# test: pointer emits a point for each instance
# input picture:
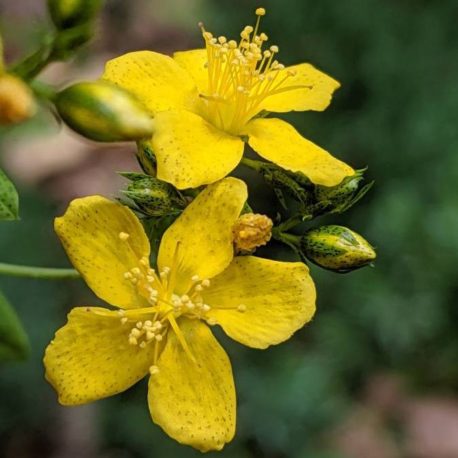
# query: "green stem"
(43, 273)
(252, 164)
(290, 223)
(289, 239)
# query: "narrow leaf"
(9, 200)
(14, 344)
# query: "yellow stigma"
(240, 76)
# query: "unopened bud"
(16, 100)
(104, 112)
(337, 248)
(70, 13)
(337, 199)
(153, 197)
(251, 231)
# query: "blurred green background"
(375, 375)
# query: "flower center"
(240, 76)
(164, 305)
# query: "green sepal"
(153, 197)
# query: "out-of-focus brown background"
(376, 373)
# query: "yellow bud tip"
(260, 12)
(16, 100)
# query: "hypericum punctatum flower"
(206, 103)
(161, 327)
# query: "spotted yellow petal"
(103, 240)
(190, 151)
(260, 302)
(279, 142)
(90, 357)
(299, 88)
(156, 79)
(194, 402)
(203, 233)
(195, 63)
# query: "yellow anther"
(144, 261)
(241, 308)
(248, 29)
(274, 48)
(158, 337)
(150, 335)
(206, 283)
(135, 271)
(195, 278)
(148, 323)
(149, 278)
(139, 325)
(263, 37)
(124, 320)
(133, 341)
(127, 275)
(142, 344)
(212, 321)
(260, 12)
(206, 308)
(222, 39)
(135, 332)
(124, 236)
(153, 370)
(121, 312)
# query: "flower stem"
(252, 164)
(43, 273)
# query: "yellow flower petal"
(204, 233)
(195, 63)
(260, 302)
(314, 90)
(194, 402)
(90, 232)
(90, 357)
(190, 151)
(156, 79)
(279, 142)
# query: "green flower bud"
(153, 197)
(337, 199)
(104, 112)
(336, 248)
(70, 13)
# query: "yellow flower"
(161, 327)
(206, 103)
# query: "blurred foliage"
(396, 113)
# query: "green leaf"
(14, 343)
(9, 200)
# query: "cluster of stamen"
(192, 303)
(164, 305)
(241, 75)
(145, 332)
